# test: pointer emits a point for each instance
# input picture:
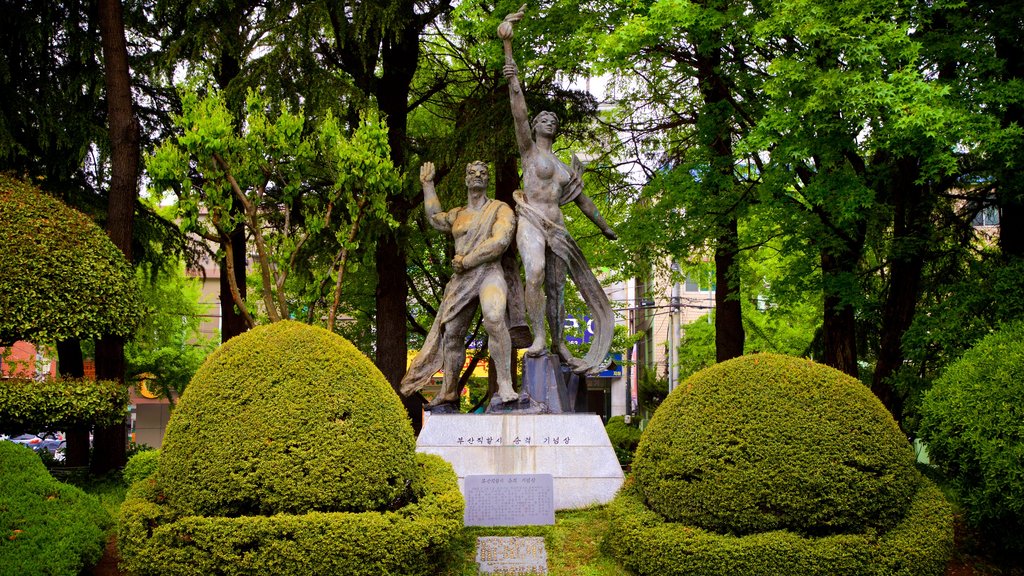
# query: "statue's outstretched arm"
(432, 206)
(520, 114)
(585, 203)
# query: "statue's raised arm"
(524, 134)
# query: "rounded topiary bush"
(769, 464)
(46, 526)
(287, 418)
(289, 454)
(971, 421)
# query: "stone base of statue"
(543, 389)
(573, 448)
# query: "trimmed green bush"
(46, 526)
(141, 465)
(287, 418)
(624, 438)
(31, 405)
(289, 454)
(971, 422)
(155, 540)
(62, 276)
(769, 464)
(646, 543)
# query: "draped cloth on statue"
(565, 248)
(462, 290)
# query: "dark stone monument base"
(543, 382)
(524, 405)
(443, 408)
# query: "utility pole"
(673, 353)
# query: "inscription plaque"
(509, 500)
(508, 555)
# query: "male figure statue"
(544, 243)
(483, 230)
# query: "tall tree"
(110, 443)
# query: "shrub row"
(46, 527)
(917, 546)
(154, 540)
(30, 406)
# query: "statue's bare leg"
(493, 297)
(530, 241)
(454, 351)
(554, 286)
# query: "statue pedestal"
(573, 448)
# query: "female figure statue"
(544, 244)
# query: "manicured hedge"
(768, 464)
(287, 418)
(46, 527)
(921, 543)
(155, 540)
(60, 275)
(971, 421)
(30, 405)
(289, 454)
(768, 442)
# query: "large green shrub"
(972, 422)
(287, 418)
(60, 275)
(155, 540)
(46, 526)
(289, 454)
(33, 405)
(769, 464)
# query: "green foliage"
(156, 540)
(46, 527)
(767, 442)
(624, 438)
(62, 276)
(955, 318)
(141, 465)
(920, 544)
(33, 405)
(651, 391)
(768, 464)
(306, 187)
(971, 422)
(168, 346)
(287, 418)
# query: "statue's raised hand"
(427, 173)
(505, 28)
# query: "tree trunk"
(232, 320)
(399, 59)
(912, 208)
(392, 330)
(715, 127)
(71, 365)
(839, 326)
(110, 443)
(1010, 181)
